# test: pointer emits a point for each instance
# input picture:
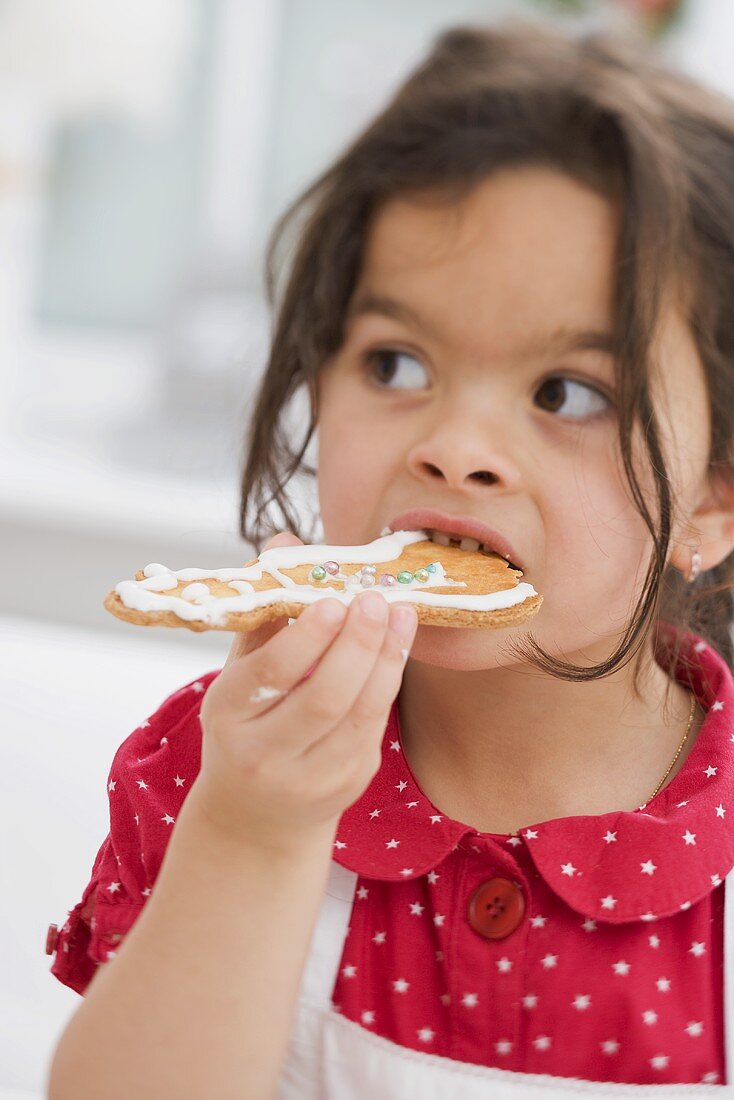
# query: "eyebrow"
(561, 339)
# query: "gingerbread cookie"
(448, 585)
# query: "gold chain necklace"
(680, 749)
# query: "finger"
(260, 679)
(371, 707)
(321, 702)
(245, 641)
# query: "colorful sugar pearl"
(366, 577)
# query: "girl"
(499, 864)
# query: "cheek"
(349, 476)
(601, 539)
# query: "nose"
(460, 456)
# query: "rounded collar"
(614, 867)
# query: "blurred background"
(146, 149)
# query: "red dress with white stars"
(588, 947)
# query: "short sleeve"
(151, 774)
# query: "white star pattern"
(567, 884)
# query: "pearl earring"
(695, 566)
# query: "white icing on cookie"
(145, 595)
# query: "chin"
(466, 649)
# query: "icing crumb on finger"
(265, 692)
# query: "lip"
(464, 526)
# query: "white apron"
(330, 1057)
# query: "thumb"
(245, 641)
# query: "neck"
(504, 748)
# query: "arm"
(199, 1000)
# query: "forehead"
(525, 247)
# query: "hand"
(284, 756)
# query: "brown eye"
(574, 399)
(384, 364)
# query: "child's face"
(476, 412)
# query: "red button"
(496, 908)
(52, 938)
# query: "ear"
(711, 526)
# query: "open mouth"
(442, 538)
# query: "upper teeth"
(444, 539)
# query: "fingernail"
(402, 620)
(373, 606)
